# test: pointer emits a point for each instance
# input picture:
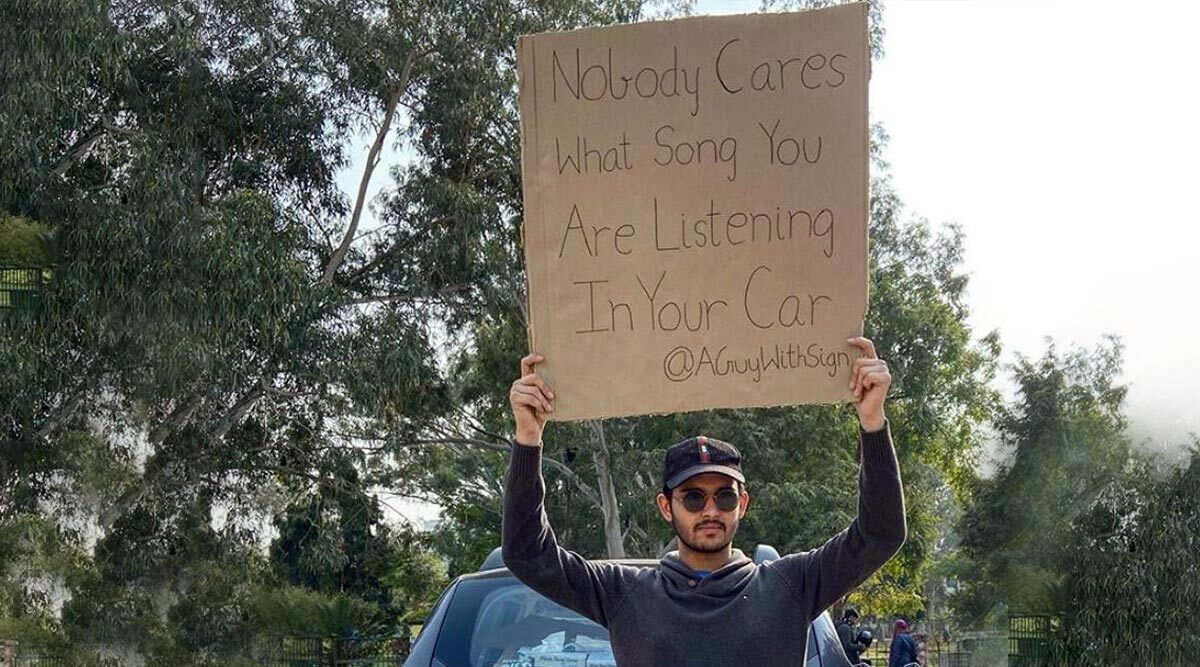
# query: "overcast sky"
(1062, 135)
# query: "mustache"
(706, 524)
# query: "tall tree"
(221, 335)
(1066, 434)
(1129, 593)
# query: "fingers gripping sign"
(869, 383)
(532, 401)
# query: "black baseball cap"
(698, 455)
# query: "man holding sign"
(707, 603)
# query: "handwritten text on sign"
(695, 210)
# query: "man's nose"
(710, 506)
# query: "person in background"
(848, 637)
(903, 651)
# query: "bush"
(24, 242)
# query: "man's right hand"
(532, 402)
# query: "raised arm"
(823, 575)
(530, 549)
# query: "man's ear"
(745, 504)
(664, 507)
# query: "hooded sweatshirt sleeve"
(532, 554)
(822, 576)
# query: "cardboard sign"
(695, 198)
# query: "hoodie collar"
(727, 578)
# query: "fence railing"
(275, 651)
(328, 651)
(21, 286)
(1030, 637)
(30, 655)
(933, 654)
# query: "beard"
(705, 545)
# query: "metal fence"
(1029, 639)
(21, 286)
(932, 653)
(38, 658)
(278, 652)
(329, 651)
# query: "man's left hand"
(869, 382)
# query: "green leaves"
(301, 612)
(189, 368)
(25, 243)
(191, 378)
(1128, 590)
(1066, 432)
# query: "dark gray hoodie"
(741, 614)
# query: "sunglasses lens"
(727, 500)
(694, 501)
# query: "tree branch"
(610, 507)
(175, 420)
(84, 145)
(410, 296)
(372, 161)
(65, 412)
(79, 149)
(391, 250)
(587, 490)
(238, 411)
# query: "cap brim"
(691, 472)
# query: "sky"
(1061, 135)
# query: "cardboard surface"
(695, 198)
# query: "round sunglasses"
(695, 500)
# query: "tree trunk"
(613, 539)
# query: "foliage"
(875, 26)
(415, 575)
(221, 349)
(1066, 433)
(1130, 591)
(24, 242)
(299, 611)
(332, 541)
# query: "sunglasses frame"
(694, 508)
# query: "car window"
(824, 647)
(502, 623)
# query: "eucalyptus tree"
(1065, 431)
(1081, 525)
(223, 333)
(1128, 590)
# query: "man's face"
(710, 529)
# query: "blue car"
(490, 619)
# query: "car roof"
(763, 553)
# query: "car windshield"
(502, 623)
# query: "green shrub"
(24, 242)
